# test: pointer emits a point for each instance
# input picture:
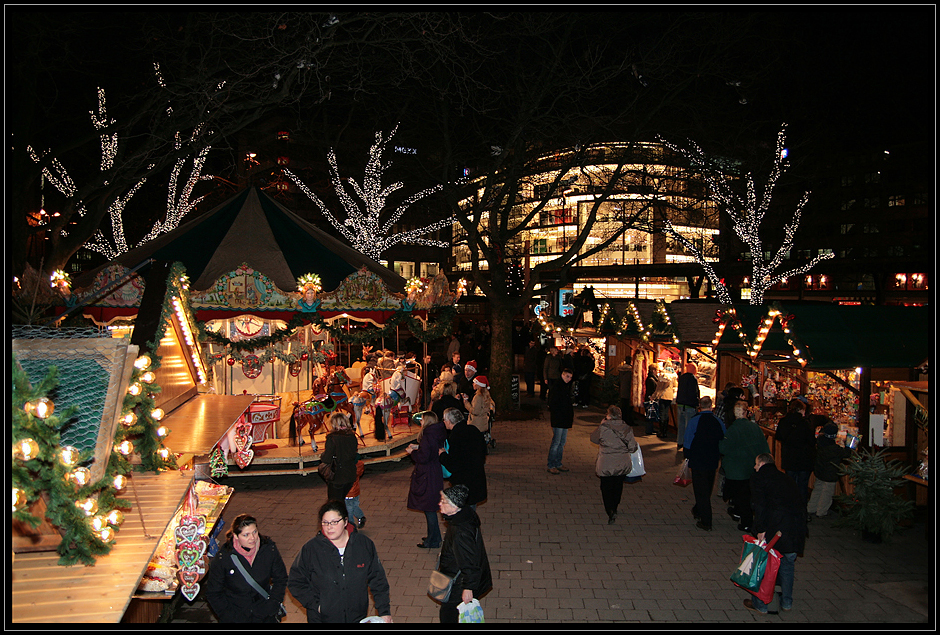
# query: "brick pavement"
(555, 559)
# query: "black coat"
(334, 589)
(232, 598)
(560, 405)
(778, 506)
(466, 460)
(703, 453)
(445, 402)
(797, 439)
(829, 455)
(342, 445)
(463, 550)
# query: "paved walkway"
(555, 559)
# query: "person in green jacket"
(743, 441)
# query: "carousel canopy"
(253, 228)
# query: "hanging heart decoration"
(190, 591)
(189, 554)
(243, 458)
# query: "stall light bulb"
(120, 482)
(148, 377)
(164, 453)
(98, 523)
(124, 447)
(26, 449)
(106, 534)
(143, 362)
(115, 517)
(89, 506)
(135, 389)
(129, 419)
(19, 498)
(69, 456)
(162, 431)
(157, 414)
(41, 408)
(80, 475)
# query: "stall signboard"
(565, 308)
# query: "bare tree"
(748, 213)
(364, 226)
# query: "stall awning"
(832, 336)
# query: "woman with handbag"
(614, 460)
(427, 478)
(341, 451)
(247, 578)
(463, 556)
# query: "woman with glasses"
(334, 572)
(463, 552)
(232, 597)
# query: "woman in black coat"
(230, 595)
(341, 449)
(462, 551)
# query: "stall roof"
(839, 336)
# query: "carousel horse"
(304, 417)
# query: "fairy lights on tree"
(179, 200)
(363, 226)
(747, 214)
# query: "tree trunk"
(502, 311)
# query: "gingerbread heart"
(188, 577)
(190, 591)
(189, 553)
(244, 457)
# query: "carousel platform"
(276, 456)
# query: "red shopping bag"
(684, 475)
(752, 547)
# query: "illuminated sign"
(565, 308)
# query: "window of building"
(870, 228)
(283, 135)
(848, 180)
(845, 228)
(872, 201)
(920, 198)
(283, 161)
(430, 269)
(895, 201)
(848, 204)
(873, 177)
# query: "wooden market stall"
(843, 359)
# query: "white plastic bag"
(638, 468)
(470, 612)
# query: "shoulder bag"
(282, 611)
(327, 470)
(441, 584)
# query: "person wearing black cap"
(462, 553)
(829, 455)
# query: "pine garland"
(46, 473)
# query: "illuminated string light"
(363, 226)
(190, 339)
(747, 213)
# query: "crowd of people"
(335, 572)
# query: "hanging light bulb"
(106, 534)
(162, 431)
(89, 506)
(115, 517)
(98, 523)
(26, 449)
(41, 408)
(69, 456)
(143, 362)
(19, 498)
(129, 419)
(148, 377)
(120, 482)
(80, 476)
(135, 389)
(157, 414)
(164, 453)
(125, 447)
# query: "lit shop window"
(895, 201)
(283, 135)
(816, 283)
(283, 161)
(910, 281)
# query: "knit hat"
(830, 431)
(458, 495)
(481, 381)
(471, 364)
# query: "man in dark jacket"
(797, 439)
(562, 418)
(778, 507)
(703, 455)
(687, 396)
(465, 458)
(829, 455)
